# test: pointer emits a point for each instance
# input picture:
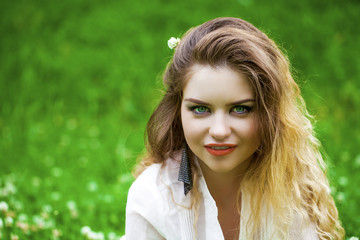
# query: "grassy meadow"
(80, 78)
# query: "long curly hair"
(288, 174)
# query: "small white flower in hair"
(173, 42)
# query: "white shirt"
(157, 209)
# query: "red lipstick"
(220, 149)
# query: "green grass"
(79, 79)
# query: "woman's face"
(218, 117)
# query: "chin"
(221, 168)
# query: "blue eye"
(241, 109)
(200, 109)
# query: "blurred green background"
(79, 79)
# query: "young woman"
(231, 149)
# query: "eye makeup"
(199, 110)
(202, 108)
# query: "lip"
(220, 149)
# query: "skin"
(218, 109)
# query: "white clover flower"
(23, 217)
(100, 236)
(56, 233)
(343, 181)
(341, 197)
(74, 213)
(92, 235)
(123, 238)
(10, 188)
(4, 206)
(173, 42)
(111, 236)
(354, 238)
(47, 208)
(23, 226)
(9, 221)
(71, 205)
(92, 186)
(85, 230)
(39, 221)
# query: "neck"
(224, 185)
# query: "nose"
(220, 128)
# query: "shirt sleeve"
(310, 233)
(139, 228)
(301, 230)
(144, 211)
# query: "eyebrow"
(197, 101)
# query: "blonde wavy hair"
(288, 173)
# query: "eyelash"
(195, 110)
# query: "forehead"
(214, 83)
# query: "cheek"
(250, 131)
(192, 127)
(253, 128)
